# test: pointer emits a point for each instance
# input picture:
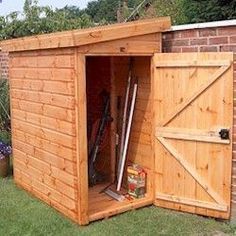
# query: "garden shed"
(181, 131)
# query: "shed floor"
(102, 206)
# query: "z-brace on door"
(193, 106)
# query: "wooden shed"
(181, 132)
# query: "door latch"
(224, 134)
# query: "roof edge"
(77, 38)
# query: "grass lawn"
(21, 214)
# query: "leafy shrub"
(5, 128)
(4, 104)
(5, 136)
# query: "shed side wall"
(216, 39)
(43, 132)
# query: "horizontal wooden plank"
(122, 47)
(51, 135)
(209, 136)
(37, 153)
(45, 98)
(60, 174)
(44, 110)
(29, 161)
(191, 202)
(110, 210)
(63, 176)
(44, 122)
(54, 195)
(55, 87)
(42, 73)
(42, 188)
(42, 160)
(29, 170)
(77, 38)
(49, 52)
(68, 213)
(57, 61)
(60, 186)
(20, 176)
(193, 63)
(127, 45)
(34, 162)
(39, 61)
(46, 145)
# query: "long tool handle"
(120, 177)
(124, 120)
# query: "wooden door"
(193, 104)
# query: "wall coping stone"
(212, 24)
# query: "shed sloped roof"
(82, 37)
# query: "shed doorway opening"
(106, 83)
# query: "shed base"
(102, 206)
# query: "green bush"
(5, 128)
(5, 136)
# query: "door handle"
(224, 134)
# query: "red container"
(136, 181)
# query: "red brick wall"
(222, 39)
(3, 65)
(217, 39)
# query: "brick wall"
(222, 39)
(3, 65)
(215, 39)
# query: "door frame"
(81, 137)
(81, 127)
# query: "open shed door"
(193, 106)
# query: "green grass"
(21, 214)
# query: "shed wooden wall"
(98, 78)
(140, 147)
(43, 126)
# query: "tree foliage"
(38, 20)
(102, 10)
(172, 8)
(106, 10)
(209, 10)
